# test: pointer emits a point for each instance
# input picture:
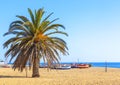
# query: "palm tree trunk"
(36, 67)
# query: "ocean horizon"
(93, 64)
(98, 64)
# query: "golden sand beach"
(88, 76)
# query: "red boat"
(83, 66)
(80, 65)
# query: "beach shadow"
(5, 76)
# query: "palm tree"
(35, 39)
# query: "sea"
(106, 64)
(93, 64)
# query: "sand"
(88, 76)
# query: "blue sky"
(93, 26)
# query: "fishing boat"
(1, 63)
(4, 65)
(80, 65)
(83, 66)
(62, 66)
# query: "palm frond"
(23, 18)
(56, 32)
(47, 17)
(54, 27)
(38, 18)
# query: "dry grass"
(90, 76)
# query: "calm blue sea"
(95, 64)
(104, 64)
(101, 64)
